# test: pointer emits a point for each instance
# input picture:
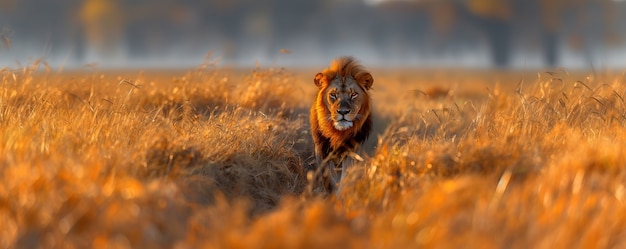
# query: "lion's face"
(344, 97)
(344, 101)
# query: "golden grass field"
(212, 158)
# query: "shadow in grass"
(381, 122)
(260, 177)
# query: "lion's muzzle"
(342, 118)
(342, 125)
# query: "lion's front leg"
(346, 158)
(335, 163)
(335, 168)
(327, 174)
(321, 178)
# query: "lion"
(340, 118)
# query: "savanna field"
(214, 157)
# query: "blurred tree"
(494, 17)
(138, 28)
(103, 24)
(594, 26)
(497, 20)
(152, 25)
(492, 9)
(289, 19)
(551, 23)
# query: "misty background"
(522, 34)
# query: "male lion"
(340, 118)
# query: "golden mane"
(344, 66)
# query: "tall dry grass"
(214, 158)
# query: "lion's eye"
(354, 95)
(333, 95)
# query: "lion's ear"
(319, 77)
(366, 81)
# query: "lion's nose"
(343, 111)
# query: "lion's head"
(343, 94)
